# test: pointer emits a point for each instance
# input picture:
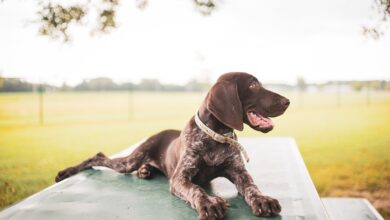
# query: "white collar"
(232, 141)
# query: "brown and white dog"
(192, 157)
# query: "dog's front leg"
(261, 205)
(207, 207)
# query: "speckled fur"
(191, 159)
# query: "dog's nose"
(285, 102)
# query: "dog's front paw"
(264, 206)
(211, 208)
(65, 174)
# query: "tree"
(150, 85)
(65, 87)
(377, 30)
(55, 19)
(96, 84)
(357, 86)
(301, 83)
(196, 85)
(1, 80)
(14, 85)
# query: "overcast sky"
(276, 40)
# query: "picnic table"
(276, 166)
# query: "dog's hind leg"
(145, 155)
(123, 165)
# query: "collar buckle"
(230, 137)
(220, 138)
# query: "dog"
(206, 148)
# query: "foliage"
(14, 85)
(150, 84)
(107, 84)
(357, 86)
(100, 84)
(96, 84)
(377, 30)
(55, 19)
(205, 7)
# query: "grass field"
(346, 147)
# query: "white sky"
(276, 40)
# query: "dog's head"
(239, 98)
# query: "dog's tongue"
(258, 120)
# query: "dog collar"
(229, 137)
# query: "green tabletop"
(276, 166)
(350, 208)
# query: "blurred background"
(78, 77)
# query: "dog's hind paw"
(145, 171)
(64, 174)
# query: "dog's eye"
(252, 85)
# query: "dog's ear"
(224, 103)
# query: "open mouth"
(259, 121)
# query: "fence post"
(41, 112)
(368, 98)
(338, 93)
(129, 103)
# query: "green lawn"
(346, 147)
